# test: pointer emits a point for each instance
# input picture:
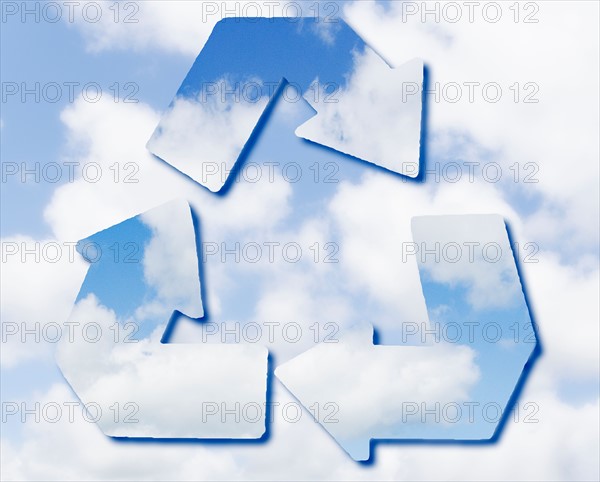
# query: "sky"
(353, 222)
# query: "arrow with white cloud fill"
(365, 108)
(376, 116)
(143, 271)
(450, 380)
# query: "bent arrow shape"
(453, 379)
(143, 271)
(365, 108)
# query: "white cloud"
(45, 443)
(374, 218)
(472, 250)
(174, 27)
(39, 285)
(368, 385)
(560, 444)
(185, 136)
(107, 132)
(565, 304)
(376, 95)
(177, 26)
(559, 133)
(171, 385)
(170, 259)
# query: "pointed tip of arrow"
(174, 221)
(342, 124)
(292, 375)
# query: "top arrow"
(245, 66)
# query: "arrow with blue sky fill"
(143, 271)
(453, 379)
(227, 96)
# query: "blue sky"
(116, 275)
(270, 49)
(56, 54)
(339, 212)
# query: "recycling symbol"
(452, 375)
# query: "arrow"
(454, 379)
(365, 108)
(377, 117)
(143, 271)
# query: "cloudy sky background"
(368, 213)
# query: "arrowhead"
(142, 270)
(443, 388)
(154, 253)
(228, 93)
(375, 117)
(333, 367)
